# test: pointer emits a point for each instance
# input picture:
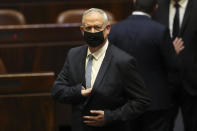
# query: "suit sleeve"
(62, 90)
(138, 99)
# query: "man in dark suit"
(113, 91)
(149, 42)
(186, 88)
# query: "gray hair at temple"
(96, 10)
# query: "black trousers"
(188, 105)
(157, 120)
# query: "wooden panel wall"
(46, 11)
(37, 48)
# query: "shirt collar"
(100, 52)
(182, 3)
(140, 13)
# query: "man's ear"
(82, 31)
(108, 27)
(134, 4)
(155, 8)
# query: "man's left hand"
(97, 120)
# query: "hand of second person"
(178, 45)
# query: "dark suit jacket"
(149, 42)
(118, 89)
(188, 33)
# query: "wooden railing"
(26, 103)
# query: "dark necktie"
(89, 71)
(176, 24)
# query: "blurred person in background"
(181, 18)
(150, 43)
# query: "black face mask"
(94, 39)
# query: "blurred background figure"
(180, 17)
(150, 43)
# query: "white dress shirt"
(97, 61)
(172, 11)
(140, 13)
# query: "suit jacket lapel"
(186, 16)
(102, 71)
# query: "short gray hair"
(93, 10)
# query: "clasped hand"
(97, 120)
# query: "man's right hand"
(85, 92)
